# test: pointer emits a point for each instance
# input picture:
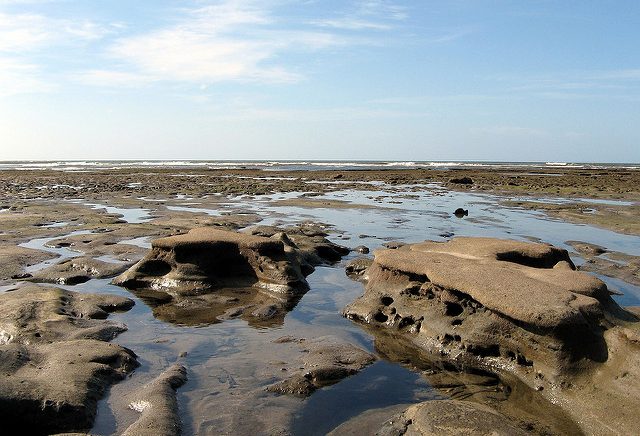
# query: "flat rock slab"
(492, 271)
(324, 362)
(79, 270)
(449, 417)
(54, 358)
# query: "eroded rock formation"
(208, 274)
(511, 307)
(54, 358)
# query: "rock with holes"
(54, 358)
(512, 307)
(208, 274)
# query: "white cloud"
(24, 36)
(366, 15)
(19, 77)
(510, 131)
(233, 40)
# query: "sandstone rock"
(357, 267)
(78, 270)
(361, 249)
(208, 258)
(507, 306)
(461, 180)
(15, 258)
(54, 360)
(158, 405)
(445, 417)
(209, 275)
(325, 362)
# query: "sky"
(535, 80)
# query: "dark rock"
(461, 180)
(392, 245)
(358, 267)
(361, 249)
(460, 212)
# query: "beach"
(75, 227)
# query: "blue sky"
(534, 80)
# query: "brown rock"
(514, 307)
(158, 405)
(54, 362)
(325, 362)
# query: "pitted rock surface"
(510, 307)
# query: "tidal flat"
(243, 360)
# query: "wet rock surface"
(444, 417)
(607, 262)
(208, 274)
(78, 270)
(511, 307)
(324, 362)
(158, 405)
(55, 360)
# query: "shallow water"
(230, 363)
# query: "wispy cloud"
(19, 77)
(234, 40)
(23, 36)
(365, 15)
(621, 83)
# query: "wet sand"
(111, 215)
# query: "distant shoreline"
(297, 165)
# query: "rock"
(208, 258)
(325, 362)
(587, 249)
(392, 245)
(460, 212)
(15, 258)
(78, 270)
(517, 308)
(361, 249)
(599, 260)
(158, 405)
(461, 180)
(54, 361)
(357, 267)
(208, 275)
(447, 417)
